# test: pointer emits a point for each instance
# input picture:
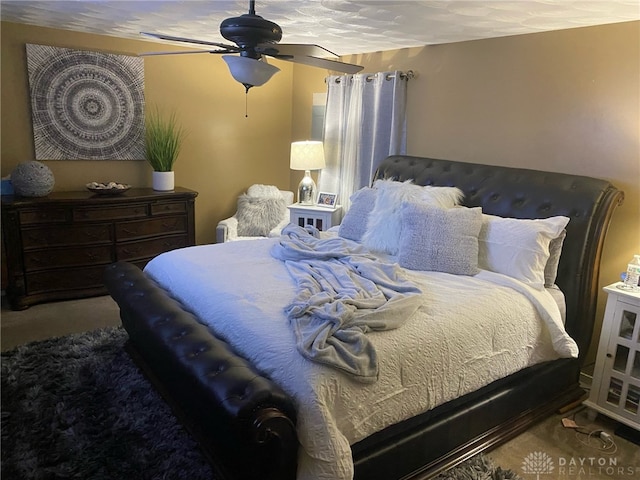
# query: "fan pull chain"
(247, 86)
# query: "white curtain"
(365, 121)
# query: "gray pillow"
(551, 268)
(257, 216)
(354, 223)
(438, 239)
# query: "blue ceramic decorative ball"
(32, 179)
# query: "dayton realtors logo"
(540, 464)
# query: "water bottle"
(632, 277)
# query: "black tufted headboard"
(525, 193)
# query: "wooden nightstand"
(615, 389)
(322, 218)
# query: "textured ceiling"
(343, 26)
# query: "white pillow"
(518, 247)
(384, 226)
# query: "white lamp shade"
(307, 155)
(249, 71)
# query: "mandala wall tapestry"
(86, 105)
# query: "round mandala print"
(86, 105)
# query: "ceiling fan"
(255, 38)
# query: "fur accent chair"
(262, 212)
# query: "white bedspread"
(447, 349)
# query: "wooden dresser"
(57, 246)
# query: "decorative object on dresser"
(163, 140)
(58, 246)
(107, 188)
(32, 179)
(615, 388)
(320, 217)
(262, 212)
(86, 105)
(307, 156)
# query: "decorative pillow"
(354, 223)
(551, 268)
(258, 215)
(384, 227)
(517, 247)
(438, 239)
(259, 190)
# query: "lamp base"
(307, 190)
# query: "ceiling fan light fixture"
(249, 71)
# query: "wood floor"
(570, 455)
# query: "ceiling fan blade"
(160, 36)
(149, 54)
(322, 63)
(294, 49)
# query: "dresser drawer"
(67, 257)
(147, 228)
(111, 213)
(81, 278)
(44, 215)
(66, 235)
(150, 248)
(164, 208)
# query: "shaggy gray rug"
(77, 407)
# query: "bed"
(252, 423)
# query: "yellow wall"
(565, 101)
(224, 152)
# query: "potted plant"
(163, 139)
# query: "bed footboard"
(210, 388)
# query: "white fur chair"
(262, 212)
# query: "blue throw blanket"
(343, 293)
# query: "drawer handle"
(130, 252)
(91, 255)
(170, 224)
(130, 232)
(36, 260)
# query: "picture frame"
(327, 199)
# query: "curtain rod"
(408, 75)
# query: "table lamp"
(307, 156)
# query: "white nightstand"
(322, 218)
(615, 389)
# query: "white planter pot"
(163, 181)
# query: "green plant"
(163, 139)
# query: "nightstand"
(322, 218)
(615, 389)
